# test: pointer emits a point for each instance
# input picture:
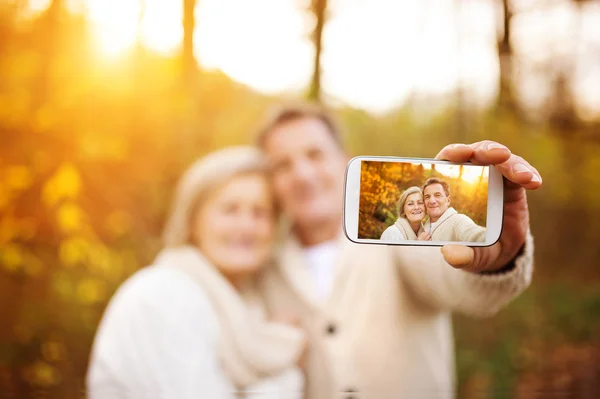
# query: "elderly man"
(379, 318)
(445, 223)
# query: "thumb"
(458, 256)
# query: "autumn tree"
(318, 8)
(50, 25)
(188, 58)
(506, 98)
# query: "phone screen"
(422, 201)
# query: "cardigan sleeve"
(445, 288)
(392, 234)
(157, 340)
(467, 230)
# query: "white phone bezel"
(495, 209)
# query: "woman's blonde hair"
(403, 197)
(205, 175)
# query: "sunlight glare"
(37, 6)
(114, 24)
(162, 29)
(470, 173)
(262, 43)
(448, 170)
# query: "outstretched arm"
(481, 280)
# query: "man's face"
(436, 201)
(308, 168)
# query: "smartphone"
(422, 202)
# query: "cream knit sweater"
(400, 231)
(386, 330)
(163, 334)
(454, 226)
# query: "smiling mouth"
(242, 244)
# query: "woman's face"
(414, 208)
(234, 228)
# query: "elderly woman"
(411, 212)
(190, 325)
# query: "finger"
(458, 256)
(472, 259)
(481, 153)
(489, 152)
(455, 153)
(519, 171)
(536, 178)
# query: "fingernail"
(494, 146)
(536, 178)
(521, 168)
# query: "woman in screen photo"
(411, 212)
(190, 325)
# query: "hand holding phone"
(519, 176)
(415, 201)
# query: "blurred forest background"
(382, 184)
(91, 146)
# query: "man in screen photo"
(445, 223)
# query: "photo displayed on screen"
(402, 201)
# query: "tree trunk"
(319, 9)
(461, 125)
(51, 28)
(189, 23)
(506, 98)
(562, 105)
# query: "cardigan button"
(350, 391)
(331, 329)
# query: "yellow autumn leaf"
(18, 177)
(90, 291)
(63, 286)
(44, 119)
(8, 229)
(115, 271)
(65, 184)
(72, 251)
(5, 196)
(69, 217)
(53, 351)
(12, 257)
(33, 266)
(118, 223)
(42, 374)
(100, 259)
